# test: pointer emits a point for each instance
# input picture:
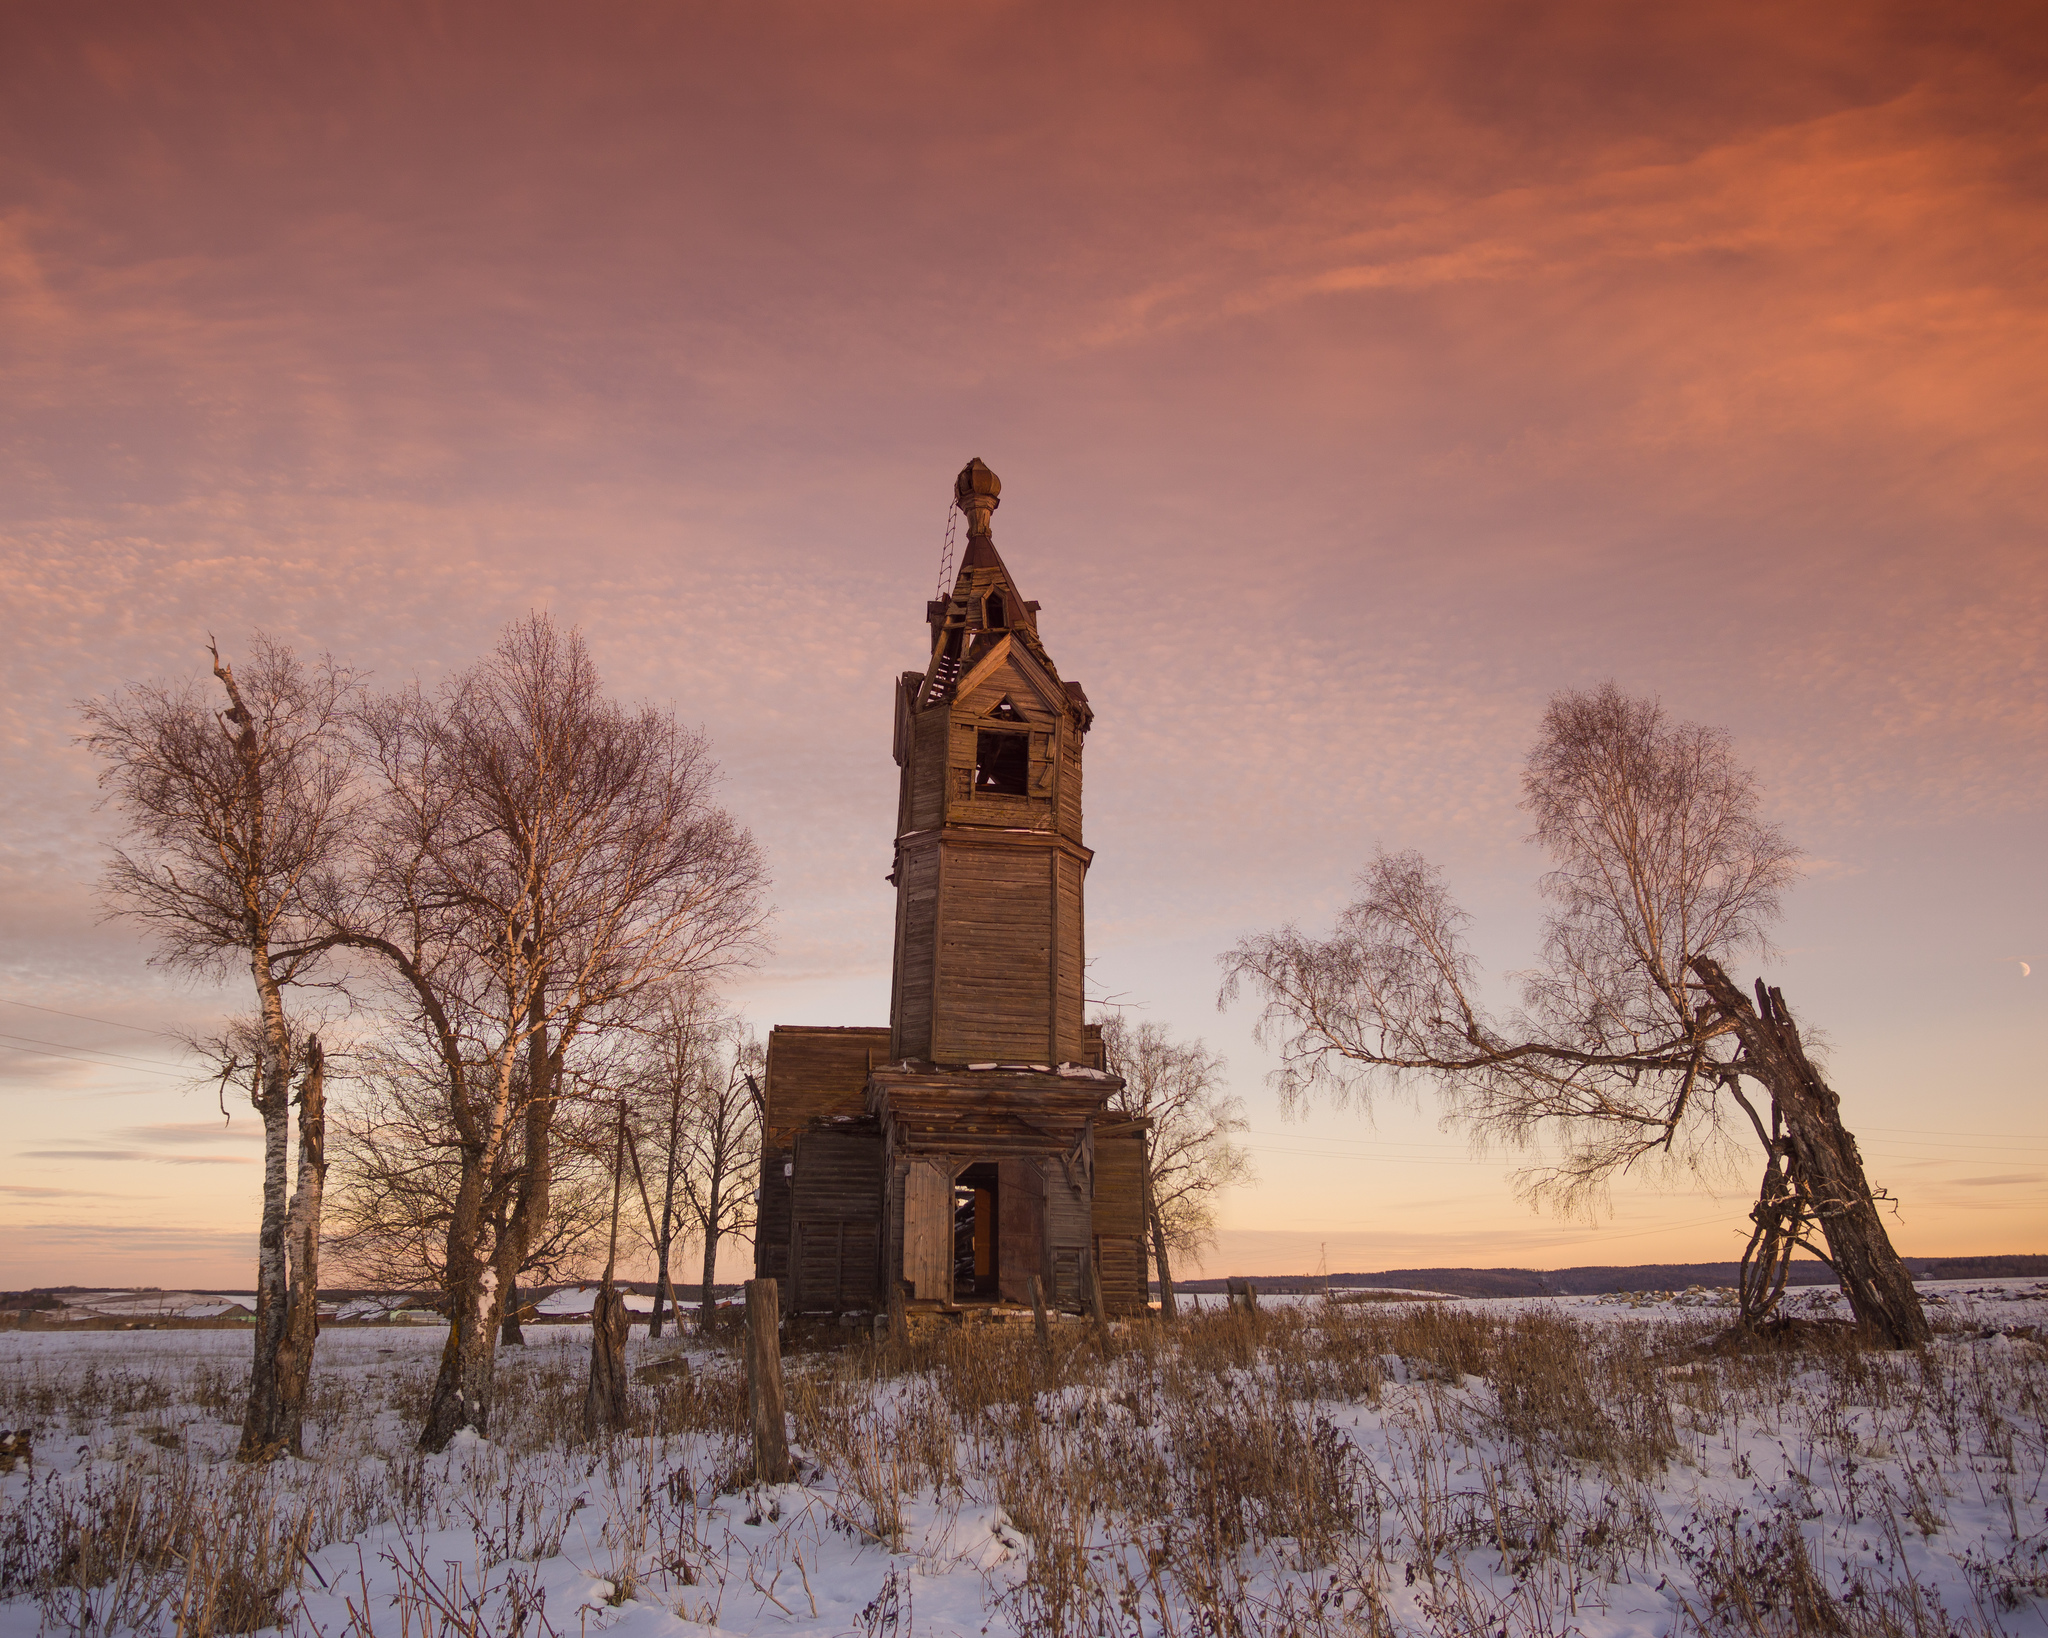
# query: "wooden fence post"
(899, 1319)
(764, 1384)
(604, 1400)
(1244, 1296)
(1038, 1313)
(1093, 1275)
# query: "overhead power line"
(88, 1018)
(77, 1057)
(66, 1046)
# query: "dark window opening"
(1006, 712)
(995, 615)
(1002, 763)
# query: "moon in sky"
(2026, 971)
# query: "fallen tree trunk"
(1822, 1159)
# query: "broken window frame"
(1014, 766)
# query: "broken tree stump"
(604, 1401)
(764, 1384)
(1038, 1316)
(1244, 1296)
(1823, 1161)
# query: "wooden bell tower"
(989, 857)
(968, 1153)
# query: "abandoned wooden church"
(969, 1146)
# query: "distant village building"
(966, 1147)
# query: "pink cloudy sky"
(1357, 377)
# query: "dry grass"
(1322, 1470)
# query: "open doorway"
(977, 1259)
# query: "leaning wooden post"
(899, 1318)
(1095, 1308)
(1038, 1317)
(764, 1384)
(604, 1400)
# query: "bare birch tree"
(698, 1116)
(724, 1169)
(1190, 1156)
(231, 814)
(1622, 1047)
(398, 1172)
(676, 1057)
(541, 858)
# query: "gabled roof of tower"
(960, 635)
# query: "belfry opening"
(967, 1150)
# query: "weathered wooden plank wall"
(1069, 781)
(771, 1226)
(1020, 1194)
(1069, 1008)
(811, 1074)
(1067, 1235)
(994, 950)
(836, 1215)
(928, 1231)
(928, 752)
(917, 948)
(1119, 1220)
(814, 1073)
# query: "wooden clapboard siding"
(1119, 1183)
(916, 949)
(990, 996)
(1020, 1210)
(1120, 1258)
(833, 1266)
(1119, 1219)
(836, 1214)
(928, 755)
(1069, 782)
(1069, 1018)
(816, 1073)
(838, 1172)
(812, 1074)
(928, 1231)
(1067, 1233)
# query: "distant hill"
(1594, 1281)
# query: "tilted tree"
(1629, 1032)
(231, 814)
(1190, 1155)
(538, 859)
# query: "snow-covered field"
(1461, 1468)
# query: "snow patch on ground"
(1887, 1471)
